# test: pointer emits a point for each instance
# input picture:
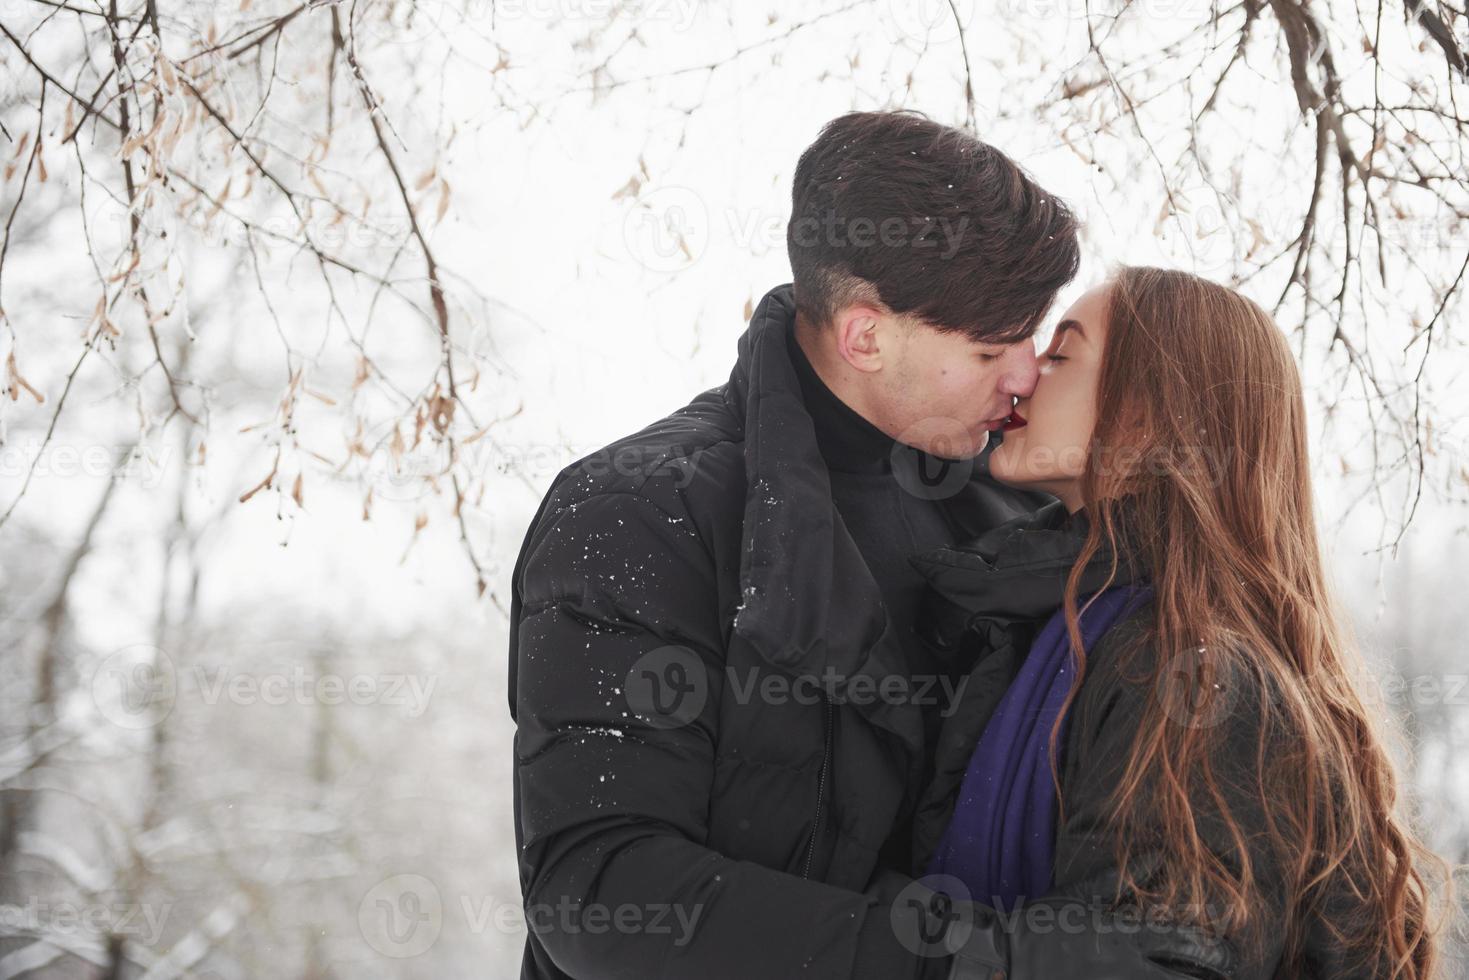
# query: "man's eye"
(989, 357)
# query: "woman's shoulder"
(1127, 651)
(1217, 686)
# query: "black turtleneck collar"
(848, 442)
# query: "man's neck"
(826, 363)
(848, 440)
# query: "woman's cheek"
(1004, 461)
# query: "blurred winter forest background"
(302, 305)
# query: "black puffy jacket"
(703, 775)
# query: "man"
(724, 715)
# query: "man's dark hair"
(931, 222)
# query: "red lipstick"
(1015, 421)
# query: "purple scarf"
(1001, 838)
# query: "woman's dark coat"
(990, 596)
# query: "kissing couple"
(915, 652)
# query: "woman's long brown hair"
(1198, 466)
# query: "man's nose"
(1021, 370)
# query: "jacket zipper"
(820, 786)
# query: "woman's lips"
(1015, 421)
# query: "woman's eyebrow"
(1066, 325)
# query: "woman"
(1208, 751)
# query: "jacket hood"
(1014, 572)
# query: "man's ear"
(861, 337)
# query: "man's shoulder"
(683, 464)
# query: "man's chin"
(954, 450)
